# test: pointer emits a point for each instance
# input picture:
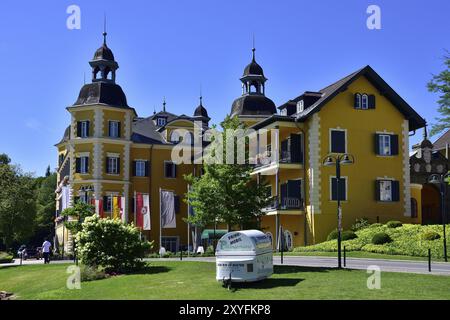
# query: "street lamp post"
(338, 160)
(441, 180)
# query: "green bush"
(91, 273)
(430, 235)
(209, 251)
(381, 238)
(333, 235)
(348, 235)
(5, 257)
(393, 224)
(111, 244)
(375, 225)
(360, 223)
(345, 235)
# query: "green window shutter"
(118, 129)
(107, 169)
(147, 167)
(377, 190)
(371, 101)
(105, 203)
(78, 128)
(118, 165)
(394, 144)
(134, 168)
(86, 163)
(395, 191)
(77, 165)
(88, 128)
(377, 143)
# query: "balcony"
(286, 203)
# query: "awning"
(209, 233)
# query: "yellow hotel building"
(110, 150)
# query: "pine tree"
(441, 84)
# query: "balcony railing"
(286, 203)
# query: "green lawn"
(196, 280)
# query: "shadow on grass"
(294, 269)
(149, 269)
(269, 283)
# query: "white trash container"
(245, 256)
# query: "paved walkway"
(420, 267)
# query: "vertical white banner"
(146, 212)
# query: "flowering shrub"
(111, 244)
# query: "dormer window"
(300, 106)
(364, 102)
(283, 112)
(161, 122)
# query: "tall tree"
(226, 192)
(440, 84)
(48, 172)
(17, 204)
(45, 208)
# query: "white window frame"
(84, 164)
(358, 99)
(162, 122)
(113, 130)
(283, 112)
(300, 106)
(346, 188)
(140, 168)
(173, 176)
(381, 144)
(113, 164)
(84, 129)
(171, 238)
(288, 234)
(330, 137)
(387, 197)
(364, 102)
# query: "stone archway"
(431, 199)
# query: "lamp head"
(346, 159)
(329, 161)
(434, 179)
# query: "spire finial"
(104, 30)
(425, 133)
(201, 95)
(154, 110)
(253, 48)
(164, 104)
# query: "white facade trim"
(406, 172)
(314, 164)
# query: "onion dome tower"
(253, 100)
(103, 89)
(201, 114)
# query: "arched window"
(414, 208)
(358, 101)
(288, 240)
(365, 102)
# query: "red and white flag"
(139, 208)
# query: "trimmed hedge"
(381, 238)
(346, 235)
(393, 224)
(430, 235)
(6, 257)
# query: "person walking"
(46, 251)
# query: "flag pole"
(160, 224)
(134, 201)
(188, 224)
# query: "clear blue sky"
(171, 48)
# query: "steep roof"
(442, 141)
(329, 92)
